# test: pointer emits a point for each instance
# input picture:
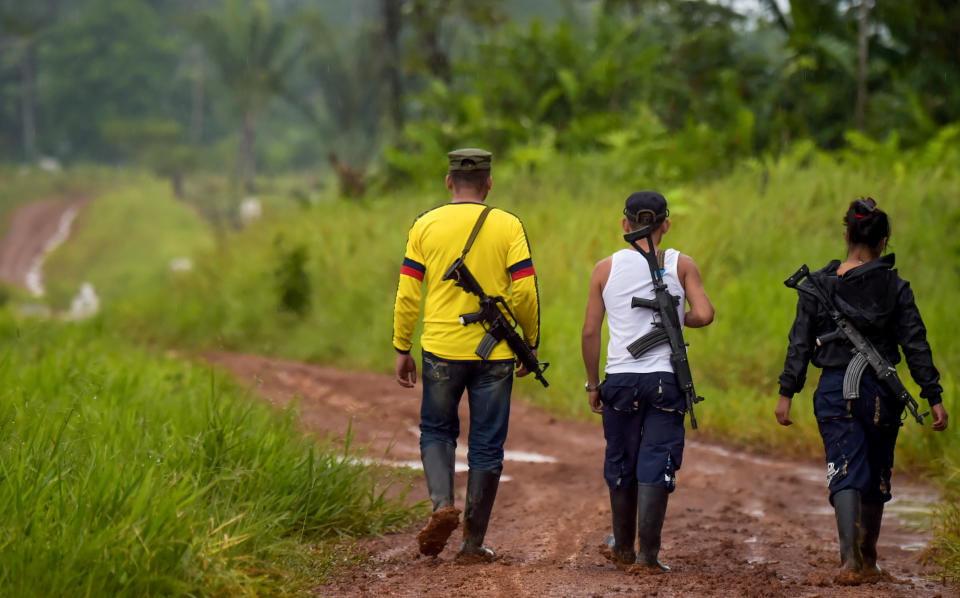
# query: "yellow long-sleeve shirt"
(499, 260)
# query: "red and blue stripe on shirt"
(412, 268)
(522, 269)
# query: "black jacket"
(880, 305)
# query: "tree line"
(378, 86)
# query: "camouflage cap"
(469, 159)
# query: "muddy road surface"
(738, 525)
(33, 231)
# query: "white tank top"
(630, 277)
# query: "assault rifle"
(667, 326)
(493, 320)
(864, 353)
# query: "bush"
(291, 278)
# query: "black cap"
(646, 207)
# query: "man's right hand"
(406, 370)
(522, 369)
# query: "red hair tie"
(859, 216)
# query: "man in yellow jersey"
(499, 259)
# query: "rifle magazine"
(648, 341)
(853, 375)
(487, 343)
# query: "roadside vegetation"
(129, 474)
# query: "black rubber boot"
(438, 460)
(651, 510)
(846, 504)
(481, 492)
(623, 505)
(871, 516)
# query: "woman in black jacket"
(859, 435)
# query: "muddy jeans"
(488, 385)
(858, 436)
(643, 426)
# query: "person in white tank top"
(640, 402)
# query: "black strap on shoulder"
(475, 231)
(661, 255)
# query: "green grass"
(945, 548)
(128, 474)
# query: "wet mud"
(737, 525)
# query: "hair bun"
(866, 223)
(865, 207)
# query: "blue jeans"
(488, 385)
(858, 436)
(643, 426)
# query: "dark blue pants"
(488, 385)
(858, 436)
(643, 426)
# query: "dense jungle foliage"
(374, 89)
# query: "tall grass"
(127, 474)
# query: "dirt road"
(738, 525)
(34, 230)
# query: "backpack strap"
(661, 256)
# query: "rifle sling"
(475, 231)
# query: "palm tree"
(254, 54)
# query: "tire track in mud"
(737, 525)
